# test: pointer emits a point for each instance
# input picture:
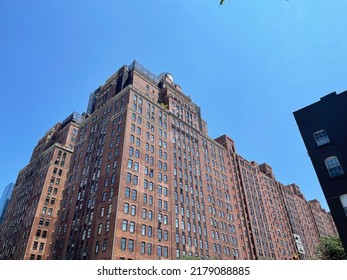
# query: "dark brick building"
(322, 127)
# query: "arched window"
(333, 166)
(321, 137)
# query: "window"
(126, 208)
(127, 192)
(333, 166)
(41, 246)
(134, 195)
(100, 228)
(97, 247)
(131, 245)
(149, 248)
(133, 210)
(132, 227)
(123, 244)
(143, 247)
(321, 137)
(165, 251)
(104, 245)
(128, 177)
(124, 225)
(135, 180)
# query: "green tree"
(330, 248)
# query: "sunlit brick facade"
(145, 181)
(302, 221)
(323, 219)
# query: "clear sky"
(249, 64)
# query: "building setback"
(322, 129)
(29, 223)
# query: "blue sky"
(249, 64)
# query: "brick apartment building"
(29, 223)
(145, 181)
(323, 220)
(304, 229)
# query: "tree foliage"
(330, 248)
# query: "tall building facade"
(29, 222)
(304, 228)
(147, 182)
(5, 198)
(143, 180)
(270, 232)
(321, 125)
(323, 219)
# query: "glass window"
(321, 137)
(143, 247)
(132, 227)
(123, 244)
(133, 210)
(124, 225)
(333, 166)
(159, 251)
(127, 192)
(126, 208)
(131, 245)
(134, 195)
